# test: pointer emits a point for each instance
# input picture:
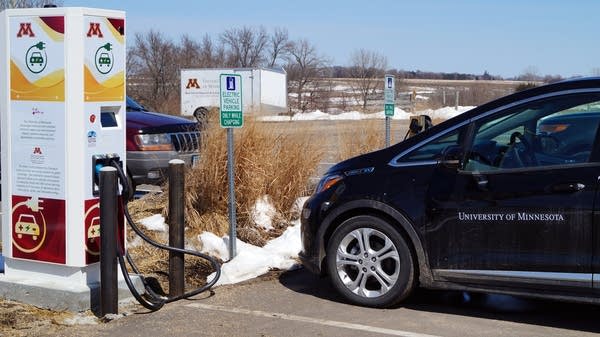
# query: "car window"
(554, 131)
(433, 149)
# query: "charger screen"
(108, 119)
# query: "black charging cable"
(152, 300)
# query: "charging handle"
(98, 162)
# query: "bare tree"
(596, 72)
(530, 74)
(368, 68)
(245, 46)
(189, 53)
(4, 4)
(211, 54)
(153, 71)
(304, 67)
(279, 45)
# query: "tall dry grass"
(267, 162)
(369, 137)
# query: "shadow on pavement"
(571, 316)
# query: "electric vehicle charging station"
(62, 106)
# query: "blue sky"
(504, 37)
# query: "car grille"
(186, 142)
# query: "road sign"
(389, 95)
(231, 101)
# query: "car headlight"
(327, 182)
(154, 142)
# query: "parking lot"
(297, 303)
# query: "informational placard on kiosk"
(103, 94)
(37, 104)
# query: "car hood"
(154, 122)
(371, 159)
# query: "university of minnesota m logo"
(25, 29)
(192, 83)
(94, 30)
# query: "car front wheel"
(370, 263)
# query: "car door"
(519, 208)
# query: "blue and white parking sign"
(230, 83)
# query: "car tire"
(201, 115)
(379, 274)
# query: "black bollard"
(108, 241)
(176, 227)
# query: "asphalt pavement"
(297, 303)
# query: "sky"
(503, 37)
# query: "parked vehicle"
(153, 139)
(498, 199)
(262, 90)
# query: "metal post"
(232, 214)
(456, 103)
(387, 131)
(176, 226)
(108, 241)
(443, 97)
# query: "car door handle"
(481, 181)
(568, 187)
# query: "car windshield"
(133, 105)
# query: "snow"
(252, 261)
(399, 114)
(155, 222)
(446, 112)
(262, 213)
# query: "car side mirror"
(452, 157)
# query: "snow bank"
(446, 112)
(399, 114)
(252, 261)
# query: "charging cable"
(153, 301)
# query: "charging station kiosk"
(62, 106)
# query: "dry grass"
(370, 137)
(267, 162)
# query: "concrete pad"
(61, 295)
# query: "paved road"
(299, 304)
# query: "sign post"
(389, 93)
(231, 117)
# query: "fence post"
(176, 226)
(108, 241)
(456, 103)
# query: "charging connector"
(98, 162)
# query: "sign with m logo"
(94, 30)
(25, 29)
(192, 83)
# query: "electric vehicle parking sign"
(231, 101)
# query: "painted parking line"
(304, 319)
